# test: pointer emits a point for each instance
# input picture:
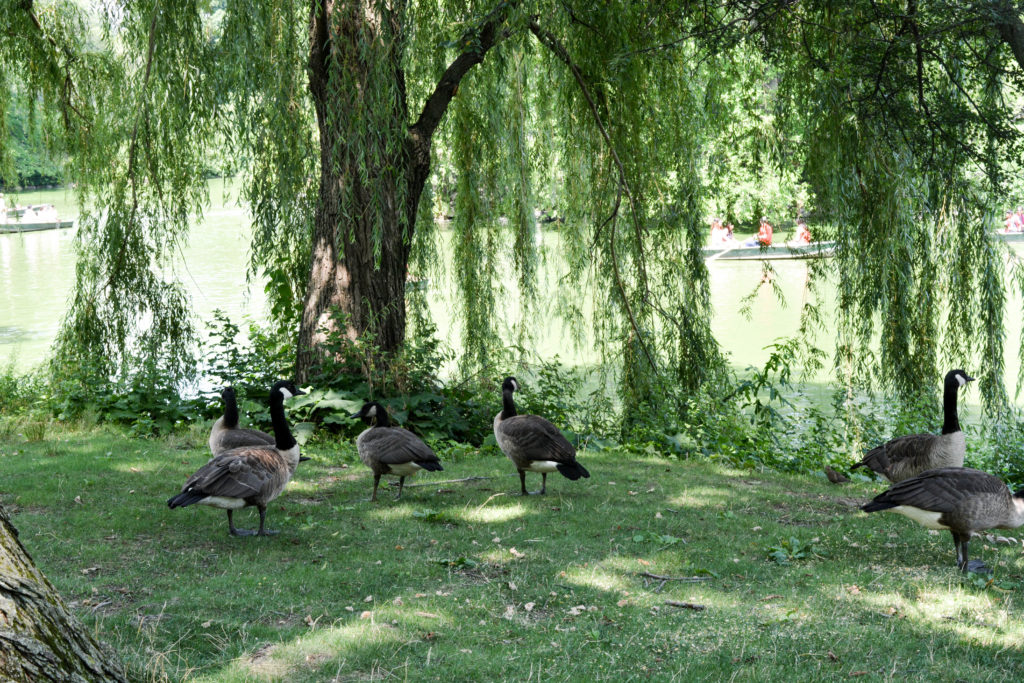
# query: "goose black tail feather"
(876, 505)
(185, 498)
(573, 470)
(430, 466)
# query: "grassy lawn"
(471, 582)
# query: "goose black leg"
(237, 532)
(401, 483)
(963, 562)
(522, 482)
(263, 519)
(544, 483)
(376, 483)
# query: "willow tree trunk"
(373, 167)
(40, 640)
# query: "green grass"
(471, 582)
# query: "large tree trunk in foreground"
(371, 174)
(40, 640)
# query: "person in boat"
(1020, 218)
(802, 235)
(720, 237)
(729, 228)
(1012, 223)
(764, 235)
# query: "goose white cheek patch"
(285, 393)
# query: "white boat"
(32, 226)
(772, 253)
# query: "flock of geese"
(251, 468)
(931, 485)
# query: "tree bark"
(358, 199)
(40, 640)
(1011, 30)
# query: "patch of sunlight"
(282, 661)
(600, 578)
(704, 497)
(491, 514)
(984, 618)
(298, 485)
(138, 466)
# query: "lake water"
(37, 272)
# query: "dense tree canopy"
(892, 121)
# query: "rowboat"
(1010, 236)
(33, 226)
(772, 253)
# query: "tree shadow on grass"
(476, 582)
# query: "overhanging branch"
(552, 43)
(477, 43)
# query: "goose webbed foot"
(976, 567)
(267, 532)
(235, 531)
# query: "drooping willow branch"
(553, 44)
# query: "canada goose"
(908, 456)
(956, 498)
(249, 475)
(226, 435)
(391, 450)
(532, 443)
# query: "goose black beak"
(303, 458)
(969, 379)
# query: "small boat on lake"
(33, 226)
(1010, 236)
(772, 253)
(32, 218)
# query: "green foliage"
(790, 550)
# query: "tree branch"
(552, 43)
(477, 44)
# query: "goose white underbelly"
(406, 469)
(543, 466)
(223, 502)
(926, 518)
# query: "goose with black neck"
(249, 475)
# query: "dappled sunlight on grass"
(312, 651)
(492, 511)
(469, 581)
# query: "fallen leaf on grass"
(853, 590)
(366, 615)
(78, 499)
(644, 563)
(832, 656)
(622, 603)
(310, 621)
(427, 615)
(368, 598)
(398, 601)
(854, 674)
(510, 611)
(206, 624)
(529, 606)
(516, 554)
(773, 596)
(88, 571)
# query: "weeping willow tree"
(345, 118)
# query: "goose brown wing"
(941, 490)
(537, 439)
(397, 446)
(239, 473)
(901, 449)
(238, 438)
